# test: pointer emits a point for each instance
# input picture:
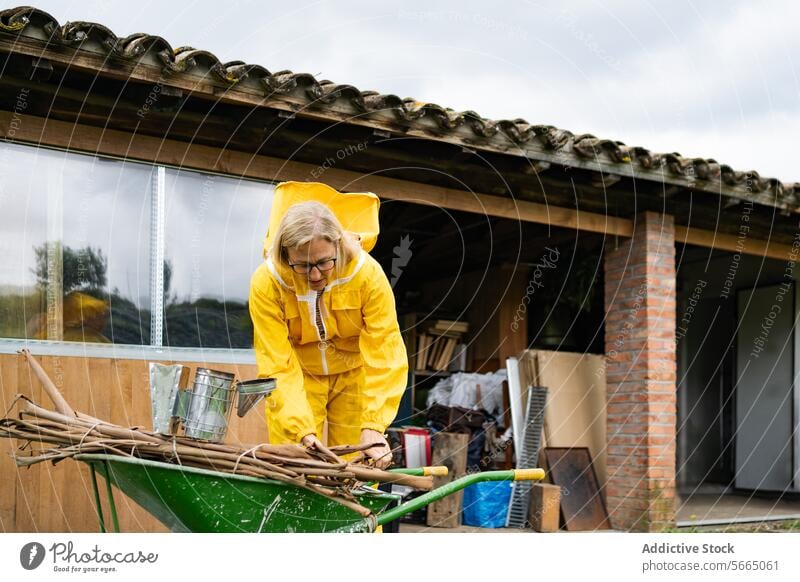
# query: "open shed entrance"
(737, 455)
(460, 264)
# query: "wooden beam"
(730, 242)
(96, 140)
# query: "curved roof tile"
(428, 117)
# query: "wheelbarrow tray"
(189, 499)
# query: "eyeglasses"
(305, 268)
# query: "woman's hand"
(310, 441)
(381, 454)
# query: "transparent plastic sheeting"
(461, 389)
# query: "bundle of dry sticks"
(65, 433)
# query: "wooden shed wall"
(58, 498)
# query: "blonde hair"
(306, 221)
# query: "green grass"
(789, 525)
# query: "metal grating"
(527, 457)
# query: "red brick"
(616, 408)
(626, 439)
(654, 439)
(640, 370)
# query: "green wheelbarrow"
(188, 499)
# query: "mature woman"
(325, 322)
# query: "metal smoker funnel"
(251, 392)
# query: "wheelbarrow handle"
(434, 471)
(528, 474)
(456, 486)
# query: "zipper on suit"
(323, 334)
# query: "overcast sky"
(703, 78)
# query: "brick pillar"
(640, 376)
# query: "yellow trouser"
(335, 398)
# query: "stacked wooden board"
(440, 345)
(576, 403)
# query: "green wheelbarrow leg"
(97, 504)
(111, 504)
(458, 485)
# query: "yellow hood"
(356, 211)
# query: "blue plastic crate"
(486, 504)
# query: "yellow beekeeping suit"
(355, 376)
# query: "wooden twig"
(347, 449)
(50, 388)
(326, 452)
(370, 474)
(69, 433)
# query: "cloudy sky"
(705, 78)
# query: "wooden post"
(544, 508)
(450, 450)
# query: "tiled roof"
(511, 136)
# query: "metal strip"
(515, 402)
(528, 456)
(157, 229)
(129, 351)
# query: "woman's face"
(316, 251)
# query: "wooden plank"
(47, 512)
(97, 396)
(450, 450)
(63, 489)
(513, 324)
(27, 480)
(100, 387)
(575, 415)
(137, 412)
(122, 395)
(128, 411)
(729, 242)
(8, 390)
